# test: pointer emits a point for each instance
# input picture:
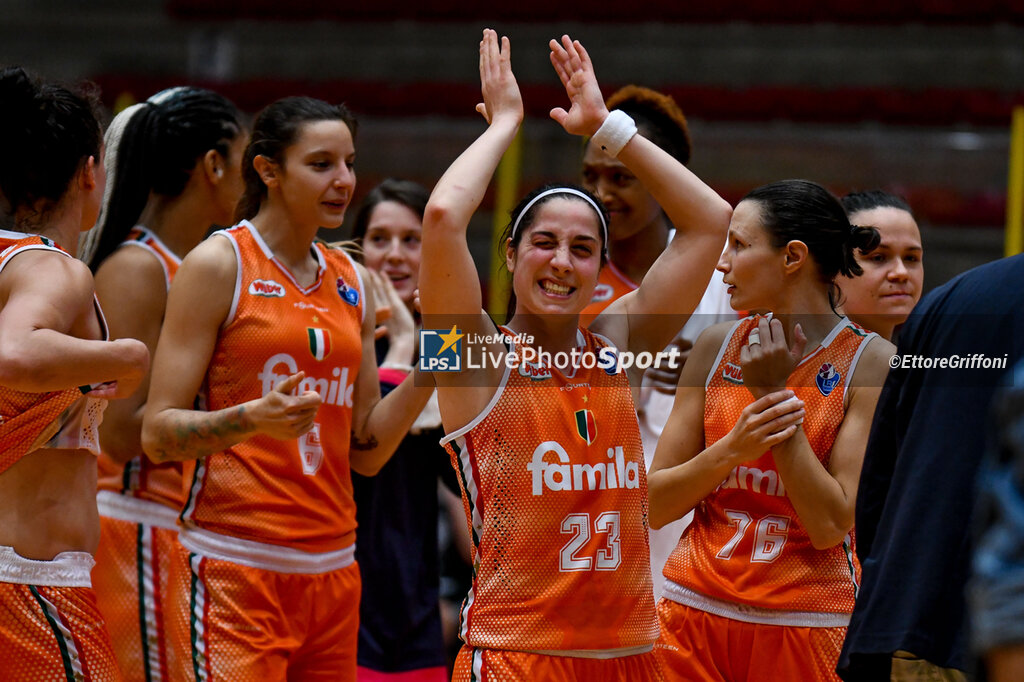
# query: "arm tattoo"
(200, 434)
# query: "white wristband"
(787, 401)
(618, 129)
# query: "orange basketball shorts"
(50, 628)
(497, 665)
(696, 645)
(253, 624)
(141, 583)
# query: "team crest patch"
(602, 292)
(732, 373)
(828, 378)
(267, 288)
(348, 294)
(586, 427)
(319, 342)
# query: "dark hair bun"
(863, 239)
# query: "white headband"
(565, 190)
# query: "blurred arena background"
(912, 96)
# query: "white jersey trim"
(753, 614)
(321, 262)
(856, 356)
(721, 352)
(136, 510)
(156, 254)
(11, 251)
(827, 341)
(236, 295)
(263, 556)
(362, 287)
(67, 569)
(498, 392)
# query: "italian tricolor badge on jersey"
(319, 342)
(586, 426)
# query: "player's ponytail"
(807, 212)
(153, 148)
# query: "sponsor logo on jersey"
(586, 426)
(319, 342)
(602, 292)
(267, 288)
(348, 294)
(732, 373)
(755, 480)
(562, 475)
(311, 451)
(440, 350)
(534, 370)
(828, 378)
(334, 391)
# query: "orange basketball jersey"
(57, 419)
(295, 493)
(746, 544)
(612, 285)
(140, 477)
(555, 489)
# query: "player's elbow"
(20, 368)
(656, 522)
(721, 215)
(829, 534)
(441, 215)
(153, 440)
(365, 465)
(658, 513)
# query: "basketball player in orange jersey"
(56, 368)
(275, 334)
(765, 442)
(549, 456)
(882, 297)
(175, 170)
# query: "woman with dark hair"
(547, 447)
(881, 298)
(274, 332)
(400, 633)
(175, 170)
(56, 369)
(765, 442)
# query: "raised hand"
(282, 415)
(574, 68)
(398, 324)
(767, 360)
(497, 83)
